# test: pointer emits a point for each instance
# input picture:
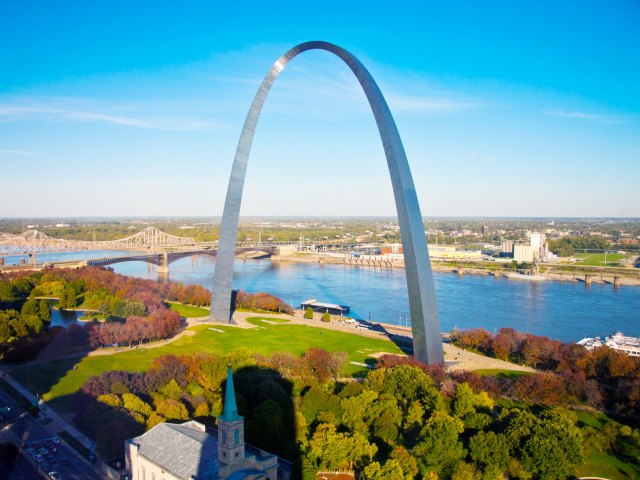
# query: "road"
(21, 428)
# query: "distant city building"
(187, 452)
(448, 252)
(524, 253)
(391, 248)
(507, 246)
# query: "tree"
(391, 469)
(439, 448)
(326, 317)
(172, 409)
(554, 448)
(406, 460)
(308, 313)
(332, 450)
(133, 403)
(406, 383)
(358, 412)
(464, 403)
(489, 450)
(465, 471)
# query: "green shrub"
(326, 317)
(308, 313)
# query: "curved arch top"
(425, 324)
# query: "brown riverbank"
(626, 277)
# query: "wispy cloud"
(433, 104)
(592, 117)
(44, 111)
(15, 152)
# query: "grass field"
(57, 381)
(497, 372)
(597, 259)
(597, 464)
(188, 311)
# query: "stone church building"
(187, 451)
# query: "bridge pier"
(164, 264)
(460, 271)
(587, 279)
(616, 282)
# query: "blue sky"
(135, 108)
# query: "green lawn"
(60, 381)
(597, 464)
(597, 259)
(498, 372)
(188, 311)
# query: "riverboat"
(325, 307)
(618, 341)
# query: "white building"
(524, 253)
(187, 452)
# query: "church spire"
(230, 411)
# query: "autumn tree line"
(600, 378)
(135, 310)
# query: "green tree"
(465, 471)
(6, 291)
(487, 449)
(171, 389)
(464, 403)
(332, 450)
(554, 448)
(265, 422)
(172, 409)
(44, 311)
(406, 383)
(326, 317)
(391, 469)
(406, 460)
(33, 323)
(439, 447)
(387, 418)
(358, 412)
(133, 403)
(308, 313)
(68, 297)
(110, 400)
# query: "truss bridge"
(34, 242)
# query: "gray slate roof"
(182, 450)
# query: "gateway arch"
(425, 324)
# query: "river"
(567, 311)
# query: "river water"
(567, 311)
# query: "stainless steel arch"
(425, 324)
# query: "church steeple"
(230, 429)
(230, 412)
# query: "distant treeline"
(566, 247)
